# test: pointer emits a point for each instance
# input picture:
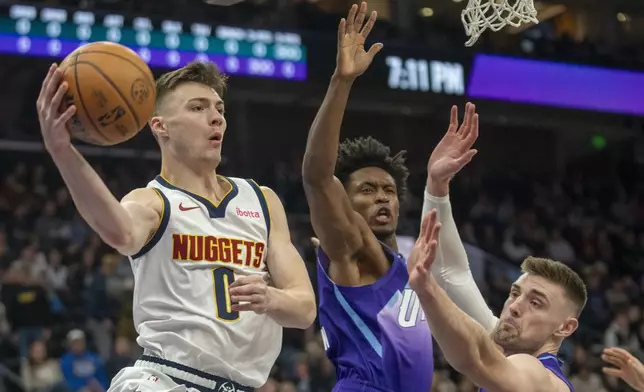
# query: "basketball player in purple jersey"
(541, 310)
(372, 328)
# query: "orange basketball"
(113, 90)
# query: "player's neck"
(548, 348)
(199, 180)
(391, 242)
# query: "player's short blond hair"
(205, 73)
(561, 275)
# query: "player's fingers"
(453, 120)
(424, 227)
(54, 105)
(613, 360)
(374, 49)
(45, 81)
(362, 12)
(351, 18)
(249, 307)
(342, 30)
(431, 226)
(469, 114)
(242, 307)
(253, 298)
(366, 29)
(246, 280)
(245, 289)
(466, 121)
(612, 371)
(473, 131)
(52, 85)
(431, 254)
(65, 116)
(619, 352)
(435, 232)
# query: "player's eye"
(197, 108)
(535, 304)
(366, 190)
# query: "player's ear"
(567, 328)
(158, 127)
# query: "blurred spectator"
(82, 369)
(27, 304)
(39, 372)
(586, 381)
(121, 358)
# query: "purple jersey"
(376, 335)
(552, 363)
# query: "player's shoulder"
(149, 197)
(538, 374)
(266, 192)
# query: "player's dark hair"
(560, 274)
(368, 152)
(205, 73)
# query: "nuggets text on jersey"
(210, 248)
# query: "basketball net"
(480, 15)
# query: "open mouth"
(216, 137)
(383, 215)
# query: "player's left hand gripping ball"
(250, 293)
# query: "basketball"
(113, 90)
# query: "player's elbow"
(309, 312)
(122, 241)
(306, 311)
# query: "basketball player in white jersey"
(201, 245)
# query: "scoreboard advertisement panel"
(55, 32)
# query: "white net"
(480, 15)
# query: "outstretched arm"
(464, 343)
(125, 226)
(333, 219)
(451, 268)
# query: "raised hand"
(352, 59)
(423, 253)
(454, 151)
(626, 367)
(52, 122)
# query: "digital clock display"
(56, 32)
(420, 75)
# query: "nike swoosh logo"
(182, 208)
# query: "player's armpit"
(146, 207)
(519, 372)
(334, 221)
(292, 301)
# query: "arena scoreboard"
(56, 32)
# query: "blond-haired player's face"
(193, 122)
(537, 312)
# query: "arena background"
(558, 174)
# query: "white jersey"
(182, 308)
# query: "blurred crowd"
(66, 298)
